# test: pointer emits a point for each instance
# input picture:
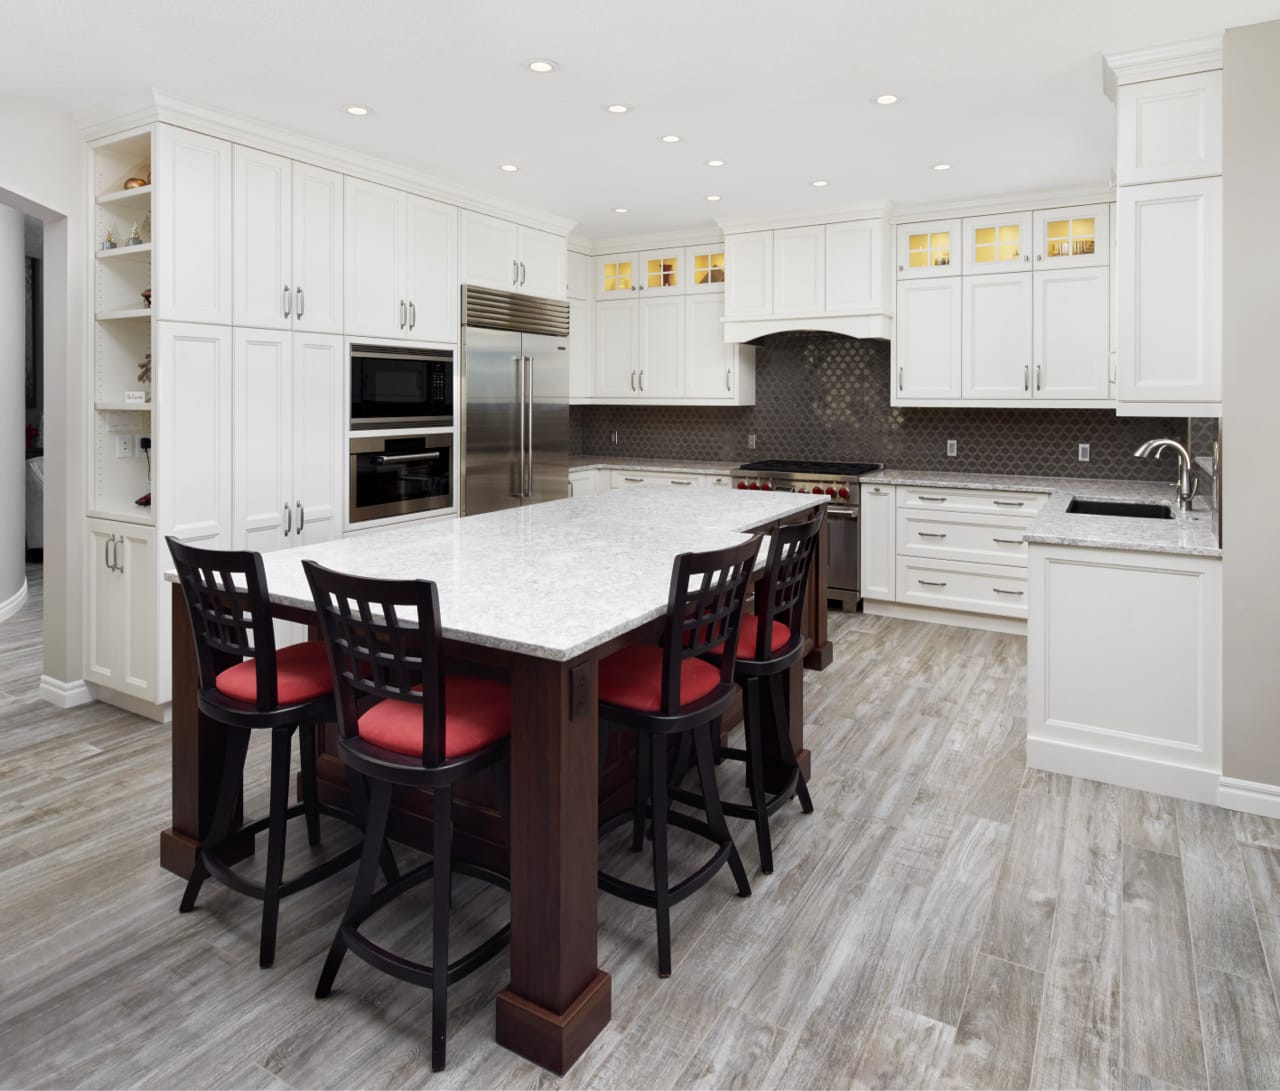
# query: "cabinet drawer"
(972, 501)
(952, 585)
(621, 478)
(955, 536)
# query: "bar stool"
(428, 731)
(668, 690)
(769, 643)
(245, 685)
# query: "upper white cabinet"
(1071, 352)
(998, 244)
(931, 249)
(927, 346)
(855, 267)
(748, 275)
(651, 272)
(1169, 129)
(799, 270)
(577, 275)
(192, 227)
(286, 244)
(510, 257)
(996, 323)
(715, 371)
(660, 354)
(705, 267)
(1071, 238)
(401, 257)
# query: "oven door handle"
(842, 513)
(421, 456)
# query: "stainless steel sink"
(1079, 506)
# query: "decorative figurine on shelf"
(135, 237)
(146, 298)
(136, 183)
(144, 373)
(109, 242)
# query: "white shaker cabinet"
(877, 528)
(510, 257)
(996, 328)
(855, 267)
(930, 249)
(120, 606)
(542, 263)
(262, 239)
(660, 347)
(191, 227)
(748, 274)
(927, 348)
(430, 270)
(616, 332)
(1072, 349)
(317, 249)
(1072, 238)
(581, 351)
(1169, 129)
(799, 270)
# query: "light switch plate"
(951, 448)
(1083, 452)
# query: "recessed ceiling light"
(715, 162)
(356, 111)
(669, 139)
(713, 196)
(542, 66)
(819, 182)
(886, 100)
(618, 108)
(942, 166)
(510, 168)
(622, 210)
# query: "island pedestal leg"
(558, 999)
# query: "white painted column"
(13, 505)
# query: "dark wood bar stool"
(246, 684)
(769, 643)
(427, 730)
(669, 690)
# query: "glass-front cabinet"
(1075, 237)
(931, 249)
(705, 265)
(654, 272)
(998, 244)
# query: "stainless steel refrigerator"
(515, 400)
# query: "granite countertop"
(1190, 533)
(551, 580)
(650, 465)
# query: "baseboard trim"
(14, 602)
(963, 619)
(1145, 774)
(65, 694)
(1249, 796)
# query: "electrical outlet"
(951, 448)
(1083, 452)
(751, 441)
(613, 437)
(124, 445)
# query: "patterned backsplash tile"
(824, 396)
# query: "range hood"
(875, 326)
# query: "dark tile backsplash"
(824, 396)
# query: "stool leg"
(442, 886)
(359, 788)
(644, 760)
(236, 745)
(715, 816)
(375, 839)
(683, 758)
(784, 741)
(755, 772)
(277, 823)
(310, 797)
(661, 878)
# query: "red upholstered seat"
(779, 635)
(477, 713)
(632, 678)
(302, 674)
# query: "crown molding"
(1162, 62)
(866, 211)
(615, 244)
(159, 106)
(1025, 201)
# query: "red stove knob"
(817, 490)
(766, 486)
(753, 485)
(830, 491)
(844, 494)
(742, 484)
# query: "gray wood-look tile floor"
(947, 918)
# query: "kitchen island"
(539, 595)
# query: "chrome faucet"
(1186, 484)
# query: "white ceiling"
(1008, 91)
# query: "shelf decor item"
(137, 183)
(109, 241)
(135, 237)
(146, 298)
(144, 376)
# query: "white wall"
(13, 417)
(1250, 400)
(42, 173)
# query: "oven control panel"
(839, 491)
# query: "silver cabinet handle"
(1039, 257)
(403, 314)
(935, 499)
(522, 274)
(1002, 591)
(1005, 503)
(106, 552)
(1037, 376)
(877, 491)
(633, 380)
(634, 480)
(728, 383)
(1008, 541)
(900, 269)
(932, 583)
(302, 516)
(674, 482)
(642, 370)
(288, 301)
(288, 520)
(929, 534)
(899, 380)
(515, 272)
(1026, 376)
(413, 315)
(116, 555)
(302, 300)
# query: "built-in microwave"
(401, 388)
(399, 475)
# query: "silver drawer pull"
(935, 499)
(682, 482)
(932, 583)
(1002, 591)
(1008, 541)
(929, 534)
(634, 480)
(1009, 503)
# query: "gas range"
(838, 480)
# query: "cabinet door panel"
(192, 230)
(799, 270)
(708, 363)
(317, 249)
(581, 345)
(927, 347)
(855, 267)
(930, 249)
(998, 244)
(431, 286)
(878, 534)
(1072, 334)
(704, 268)
(262, 248)
(262, 499)
(617, 276)
(136, 622)
(578, 275)
(1071, 238)
(490, 251)
(1169, 129)
(748, 275)
(615, 357)
(104, 595)
(997, 336)
(373, 225)
(542, 257)
(661, 272)
(318, 455)
(661, 347)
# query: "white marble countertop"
(550, 580)
(650, 465)
(1190, 533)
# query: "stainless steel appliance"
(515, 400)
(839, 481)
(401, 388)
(399, 475)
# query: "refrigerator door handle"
(528, 408)
(519, 362)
